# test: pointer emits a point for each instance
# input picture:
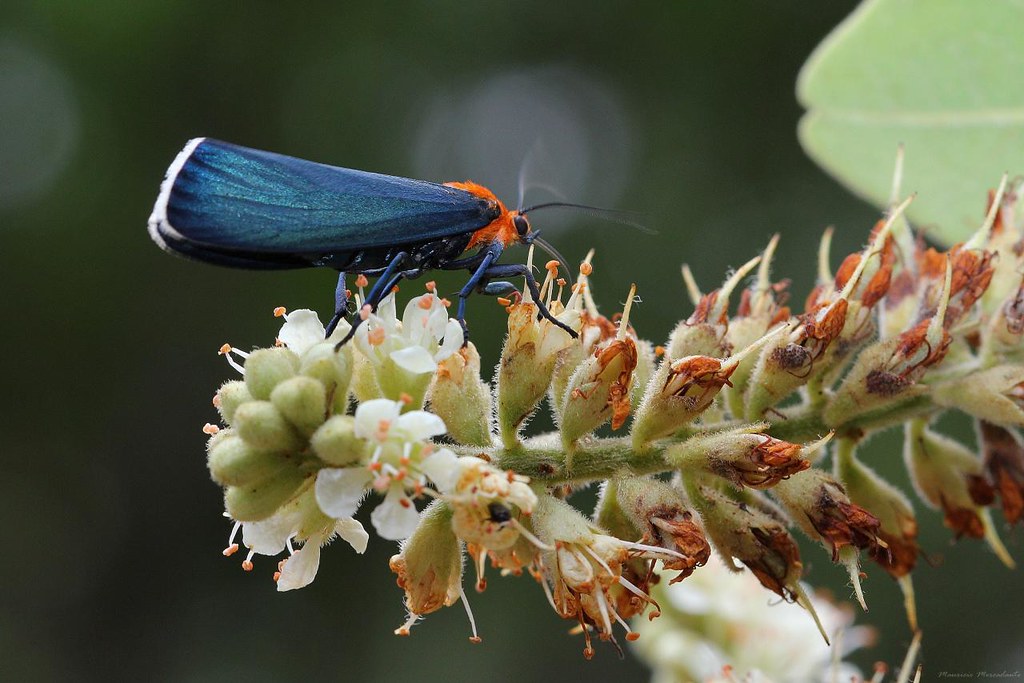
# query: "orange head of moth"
(508, 228)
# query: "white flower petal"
(442, 468)
(437, 321)
(417, 425)
(351, 531)
(387, 313)
(301, 331)
(414, 316)
(269, 536)
(392, 520)
(340, 490)
(452, 340)
(299, 570)
(370, 413)
(340, 331)
(414, 359)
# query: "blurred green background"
(111, 530)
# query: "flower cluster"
(715, 440)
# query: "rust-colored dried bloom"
(914, 354)
(696, 380)
(746, 459)
(820, 506)
(660, 513)
(703, 333)
(1003, 458)
(677, 394)
(950, 476)
(972, 271)
(678, 531)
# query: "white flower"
(274, 535)
(475, 490)
(399, 463)
(302, 330)
(414, 343)
(717, 618)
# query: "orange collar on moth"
(501, 229)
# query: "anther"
(216, 401)
(230, 550)
(552, 265)
(210, 429)
(426, 302)
(365, 311)
(280, 312)
(586, 268)
(361, 281)
(224, 350)
(431, 286)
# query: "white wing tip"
(158, 218)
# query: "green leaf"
(942, 77)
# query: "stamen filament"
(475, 638)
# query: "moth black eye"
(499, 513)
(522, 225)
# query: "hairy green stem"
(543, 458)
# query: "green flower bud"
(266, 368)
(264, 428)
(526, 367)
(302, 401)
(994, 395)
(364, 379)
(333, 369)
(429, 566)
(229, 397)
(261, 499)
(460, 398)
(336, 443)
(233, 462)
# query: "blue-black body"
(245, 208)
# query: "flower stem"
(543, 458)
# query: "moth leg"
(490, 255)
(500, 288)
(520, 270)
(340, 304)
(387, 280)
